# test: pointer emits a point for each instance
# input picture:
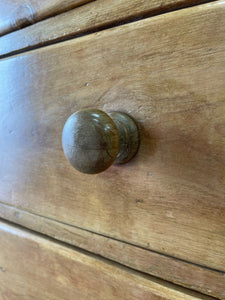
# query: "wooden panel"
(170, 198)
(15, 14)
(91, 17)
(192, 276)
(35, 268)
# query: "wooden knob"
(93, 140)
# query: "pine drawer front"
(16, 14)
(168, 73)
(91, 17)
(34, 268)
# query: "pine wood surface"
(168, 73)
(85, 19)
(15, 14)
(34, 268)
(191, 276)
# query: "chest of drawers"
(163, 212)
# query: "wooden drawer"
(16, 14)
(32, 267)
(94, 16)
(168, 73)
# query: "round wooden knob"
(93, 140)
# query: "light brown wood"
(35, 268)
(15, 14)
(85, 19)
(170, 78)
(171, 269)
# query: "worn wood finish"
(15, 14)
(93, 140)
(171, 269)
(170, 78)
(41, 269)
(90, 141)
(85, 19)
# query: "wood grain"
(15, 14)
(170, 78)
(42, 269)
(85, 19)
(171, 269)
